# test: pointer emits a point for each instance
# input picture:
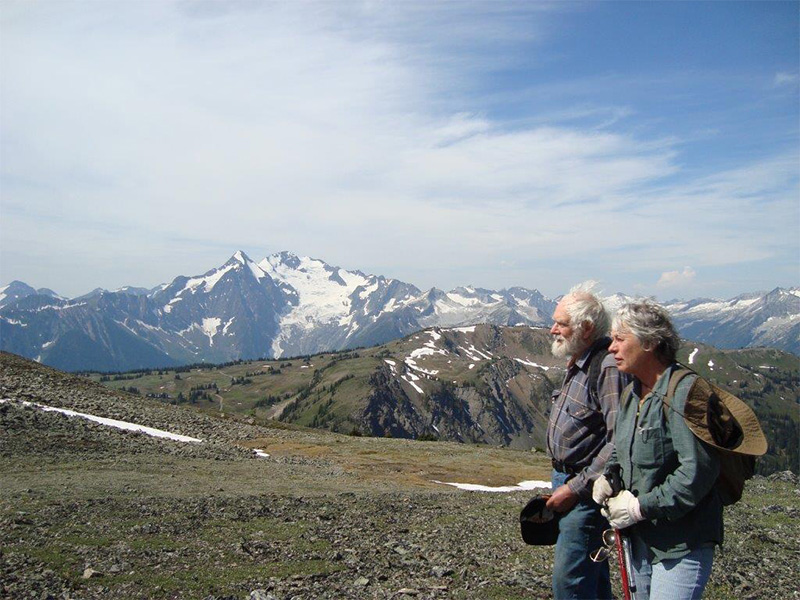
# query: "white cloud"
(783, 78)
(674, 279)
(145, 140)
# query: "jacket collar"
(600, 344)
(662, 383)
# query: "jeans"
(575, 576)
(682, 578)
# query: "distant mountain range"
(287, 305)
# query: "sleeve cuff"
(578, 486)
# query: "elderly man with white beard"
(580, 440)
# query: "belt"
(565, 468)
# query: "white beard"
(566, 348)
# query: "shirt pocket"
(648, 447)
(588, 418)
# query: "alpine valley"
(288, 305)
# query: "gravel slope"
(92, 512)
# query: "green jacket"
(669, 470)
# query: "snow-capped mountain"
(287, 305)
(771, 319)
(332, 308)
(17, 289)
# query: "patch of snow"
(228, 324)
(532, 364)
(470, 329)
(207, 283)
(210, 327)
(421, 352)
(14, 322)
(522, 485)
(411, 381)
(159, 433)
(258, 273)
(413, 365)
(260, 453)
(462, 300)
(146, 326)
(390, 307)
(481, 353)
(364, 293)
(711, 364)
(474, 354)
(693, 354)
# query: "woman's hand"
(622, 510)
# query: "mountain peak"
(290, 259)
(240, 257)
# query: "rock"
(787, 476)
(90, 573)
(361, 582)
(261, 595)
(440, 572)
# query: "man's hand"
(601, 490)
(562, 500)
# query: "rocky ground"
(92, 512)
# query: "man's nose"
(554, 329)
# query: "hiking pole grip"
(614, 477)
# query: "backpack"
(595, 365)
(724, 422)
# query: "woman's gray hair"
(652, 326)
(585, 307)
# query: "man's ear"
(587, 331)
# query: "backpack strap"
(677, 376)
(626, 393)
(595, 366)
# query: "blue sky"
(652, 146)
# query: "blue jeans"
(580, 530)
(682, 578)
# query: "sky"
(651, 146)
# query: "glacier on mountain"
(288, 305)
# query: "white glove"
(601, 490)
(622, 510)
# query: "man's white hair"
(584, 307)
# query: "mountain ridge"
(484, 384)
(290, 305)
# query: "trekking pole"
(623, 542)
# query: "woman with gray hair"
(669, 506)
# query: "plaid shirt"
(581, 430)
